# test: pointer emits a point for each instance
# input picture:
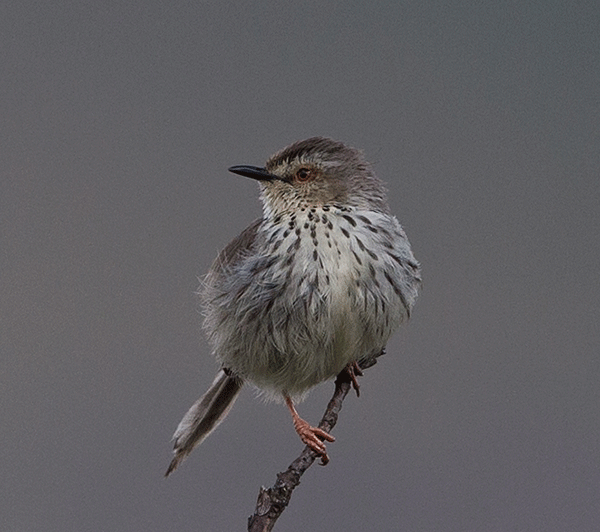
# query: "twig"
(274, 500)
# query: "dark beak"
(253, 172)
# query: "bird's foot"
(353, 370)
(311, 436)
(314, 437)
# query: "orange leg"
(311, 436)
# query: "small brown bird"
(318, 283)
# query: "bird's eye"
(303, 175)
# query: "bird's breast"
(322, 288)
(343, 274)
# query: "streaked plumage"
(319, 282)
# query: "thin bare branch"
(273, 501)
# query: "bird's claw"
(353, 370)
(314, 437)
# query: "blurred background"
(119, 121)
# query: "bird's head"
(315, 172)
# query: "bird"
(315, 285)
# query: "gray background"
(119, 120)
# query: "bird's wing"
(236, 249)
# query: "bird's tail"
(204, 416)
